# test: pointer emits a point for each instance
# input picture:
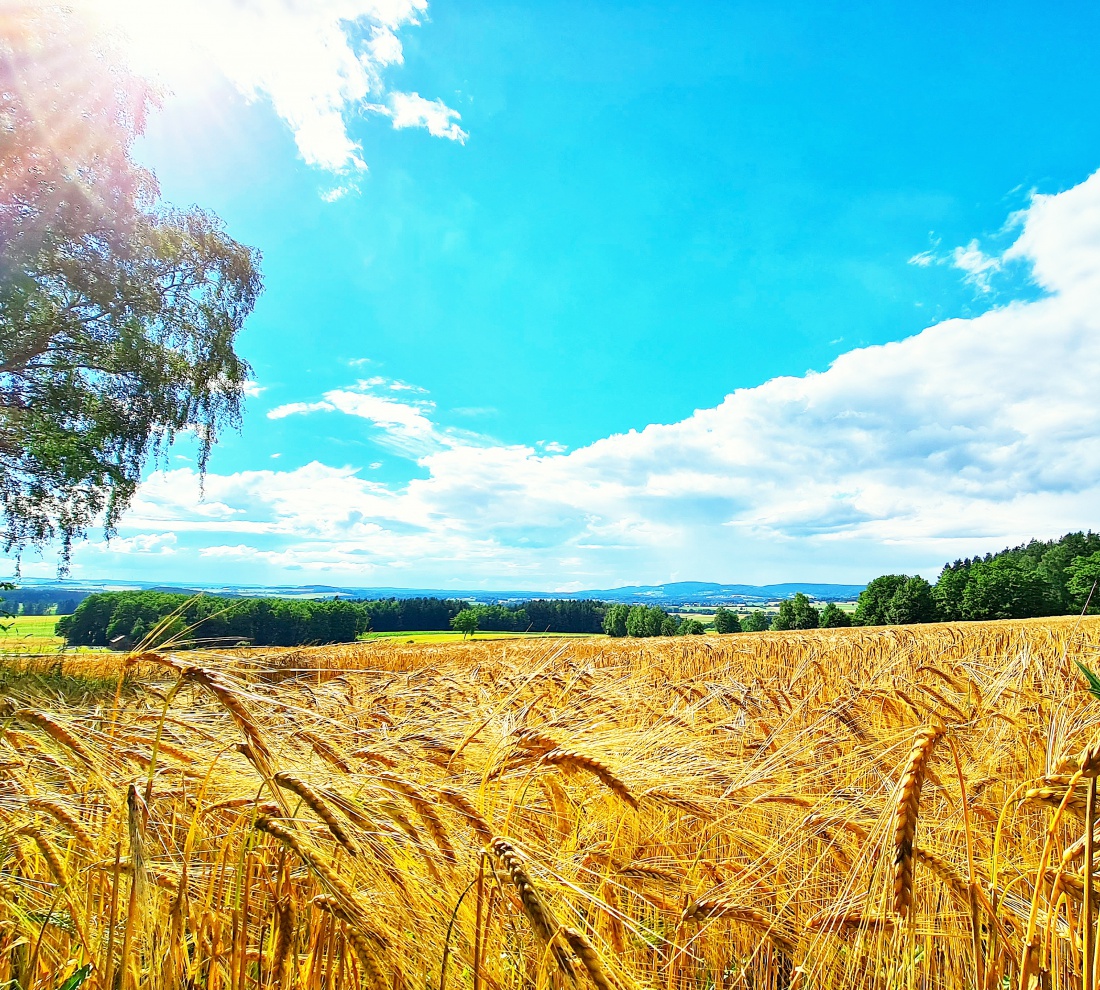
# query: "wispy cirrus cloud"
(978, 268)
(401, 424)
(319, 63)
(412, 110)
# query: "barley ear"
(583, 950)
(905, 816)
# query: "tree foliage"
(873, 607)
(639, 621)
(726, 621)
(896, 599)
(911, 602)
(1039, 578)
(1083, 582)
(583, 615)
(40, 601)
(757, 621)
(543, 615)
(1004, 588)
(465, 622)
(833, 617)
(645, 620)
(614, 620)
(411, 614)
(118, 315)
(103, 618)
(797, 613)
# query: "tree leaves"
(118, 316)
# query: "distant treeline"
(542, 615)
(409, 614)
(40, 601)
(128, 617)
(125, 618)
(647, 620)
(1036, 579)
(1039, 578)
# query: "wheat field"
(901, 807)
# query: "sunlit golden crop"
(837, 808)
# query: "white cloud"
(297, 408)
(317, 62)
(403, 425)
(412, 110)
(971, 435)
(977, 266)
(162, 544)
(337, 193)
(253, 390)
(1061, 239)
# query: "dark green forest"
(1055, 577)
(542, 615)
(159, 617)
(129, 617)
(40, 601)
(647, 620)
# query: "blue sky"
(497, 239)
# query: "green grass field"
(447, 636)
(30, 634)
(36, 634)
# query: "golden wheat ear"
(320, 808)
(538, 914)
(906, 812)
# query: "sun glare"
(161, 41)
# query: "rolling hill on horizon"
(676, 593)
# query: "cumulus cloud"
(973, 434)
(317, 62)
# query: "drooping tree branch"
(118, 315)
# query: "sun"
(162, 41)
